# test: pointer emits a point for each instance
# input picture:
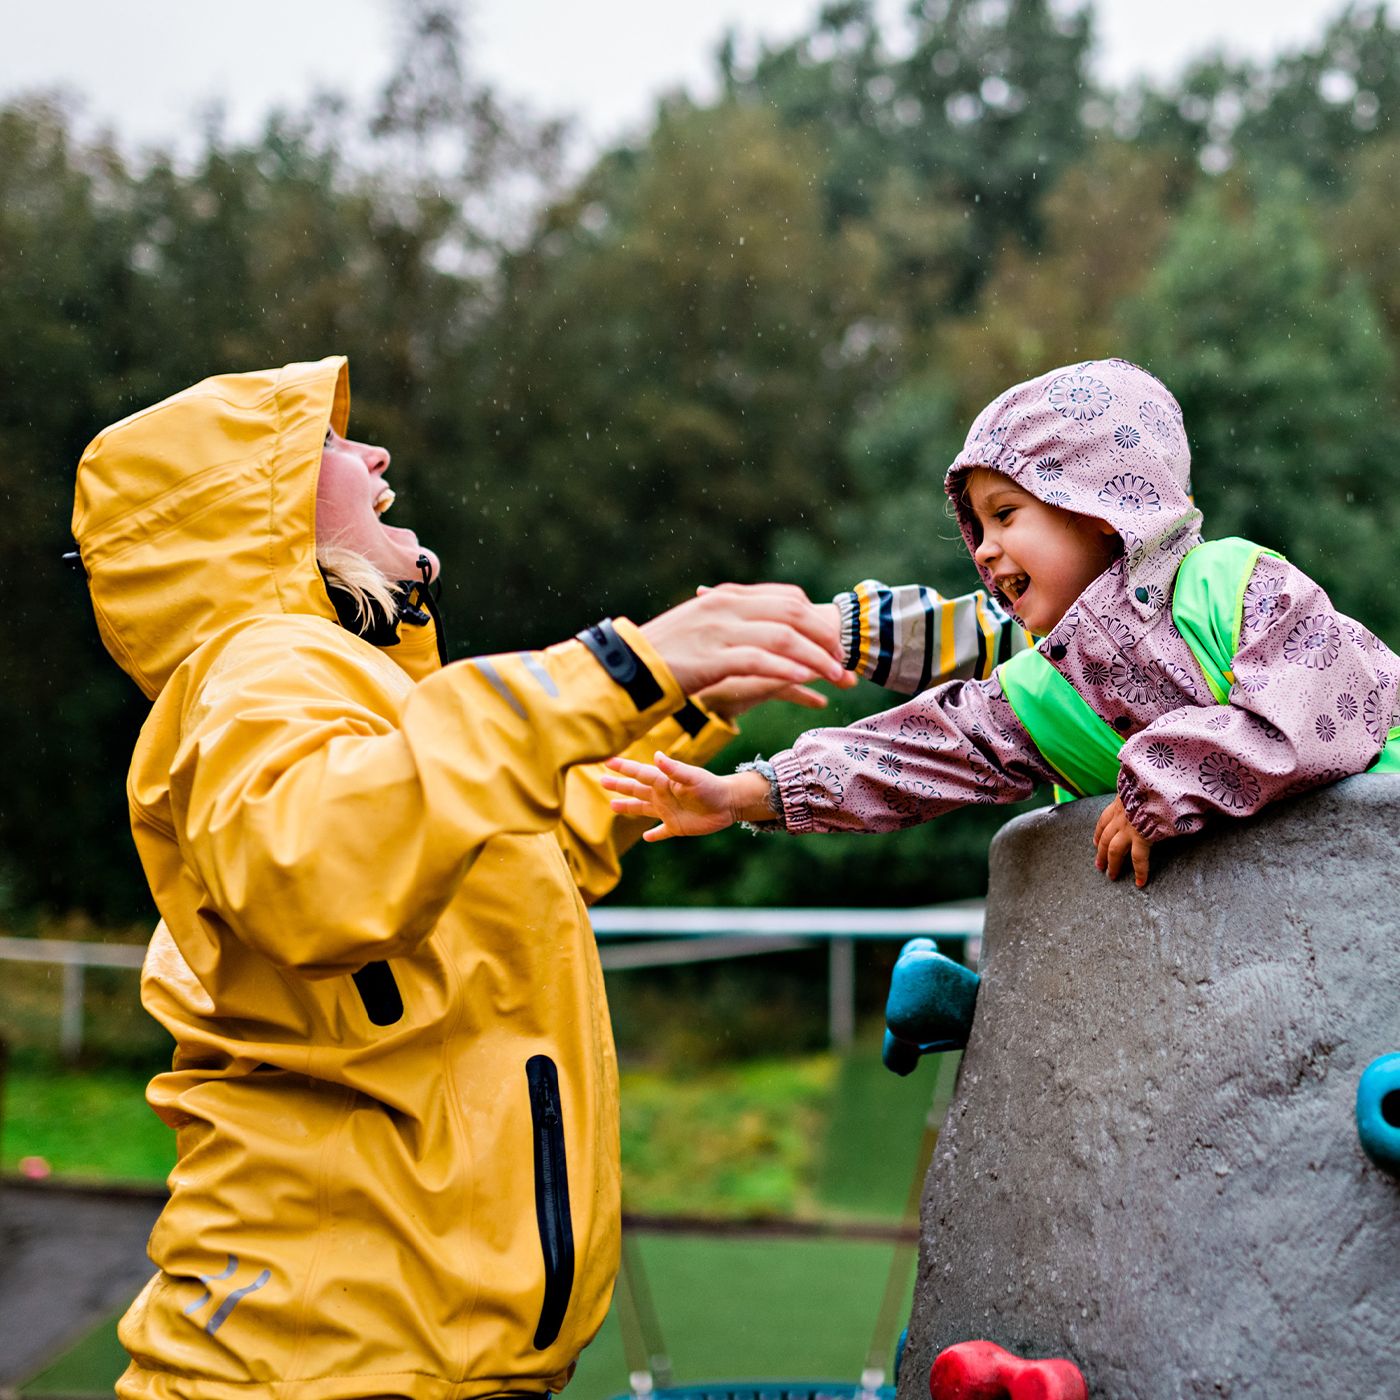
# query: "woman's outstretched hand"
(739, 694)
(685, 800)
(1116, 840)
(770, 636)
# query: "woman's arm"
(330, 809)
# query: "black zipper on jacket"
(551, 1197)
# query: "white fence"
(631, 938)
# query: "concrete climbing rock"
(1151, 1162)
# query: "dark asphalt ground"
(69, 1256)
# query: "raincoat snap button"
(1140, 594)
(1058, 651)
(1122, 724)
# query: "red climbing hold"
(985, 1371)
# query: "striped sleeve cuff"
(911, 637)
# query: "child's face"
(1039, 556)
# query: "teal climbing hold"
(1378, 1112)
(930, 1005)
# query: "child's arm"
(910, 637)
(1312, 702)
(950, 747)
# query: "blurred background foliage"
(743, 346)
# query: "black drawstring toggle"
(421, 605)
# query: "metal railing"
(631, 938)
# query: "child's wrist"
(750, 797)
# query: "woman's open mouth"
(383, 500)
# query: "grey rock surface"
(1150, 1164)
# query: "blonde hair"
(364, 581)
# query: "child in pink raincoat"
(1073, 494)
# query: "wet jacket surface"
(1314, 691)
(394, 1086)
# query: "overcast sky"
(146, 67)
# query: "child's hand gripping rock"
(1116, 839)
(686, 800)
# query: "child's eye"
(1004, 513)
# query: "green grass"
(93, 1124)
(739, 1140)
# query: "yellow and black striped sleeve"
(910, 637)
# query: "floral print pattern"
(1376, 714)
(1158, 422)
(1079, 397)
(1161, 755)
(1315, 642)
(1264, 603)
(1126, 436)
(1130, 681)
(1225, 779)
(1130, 492)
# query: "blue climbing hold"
(1378, 1112)
(929, 1007)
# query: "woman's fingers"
(781, 602)
(802, 695)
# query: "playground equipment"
(1151, 1161)
(930, 1005)
(1378, 1112)
(985, 1371)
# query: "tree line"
(743, 346)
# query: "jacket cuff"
(848, 614)
(1137, 804)
(693, 734)
(792, 791)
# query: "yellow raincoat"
(394, 1085)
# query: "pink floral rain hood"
(1101, 438)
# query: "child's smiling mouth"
(1014, 586)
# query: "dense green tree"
(1285, 375)
(745, 344)
(671, 375)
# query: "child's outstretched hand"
(686, 800)
(1115, 839)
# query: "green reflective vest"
(1207, 604)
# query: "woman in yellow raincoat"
(393, 1085)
